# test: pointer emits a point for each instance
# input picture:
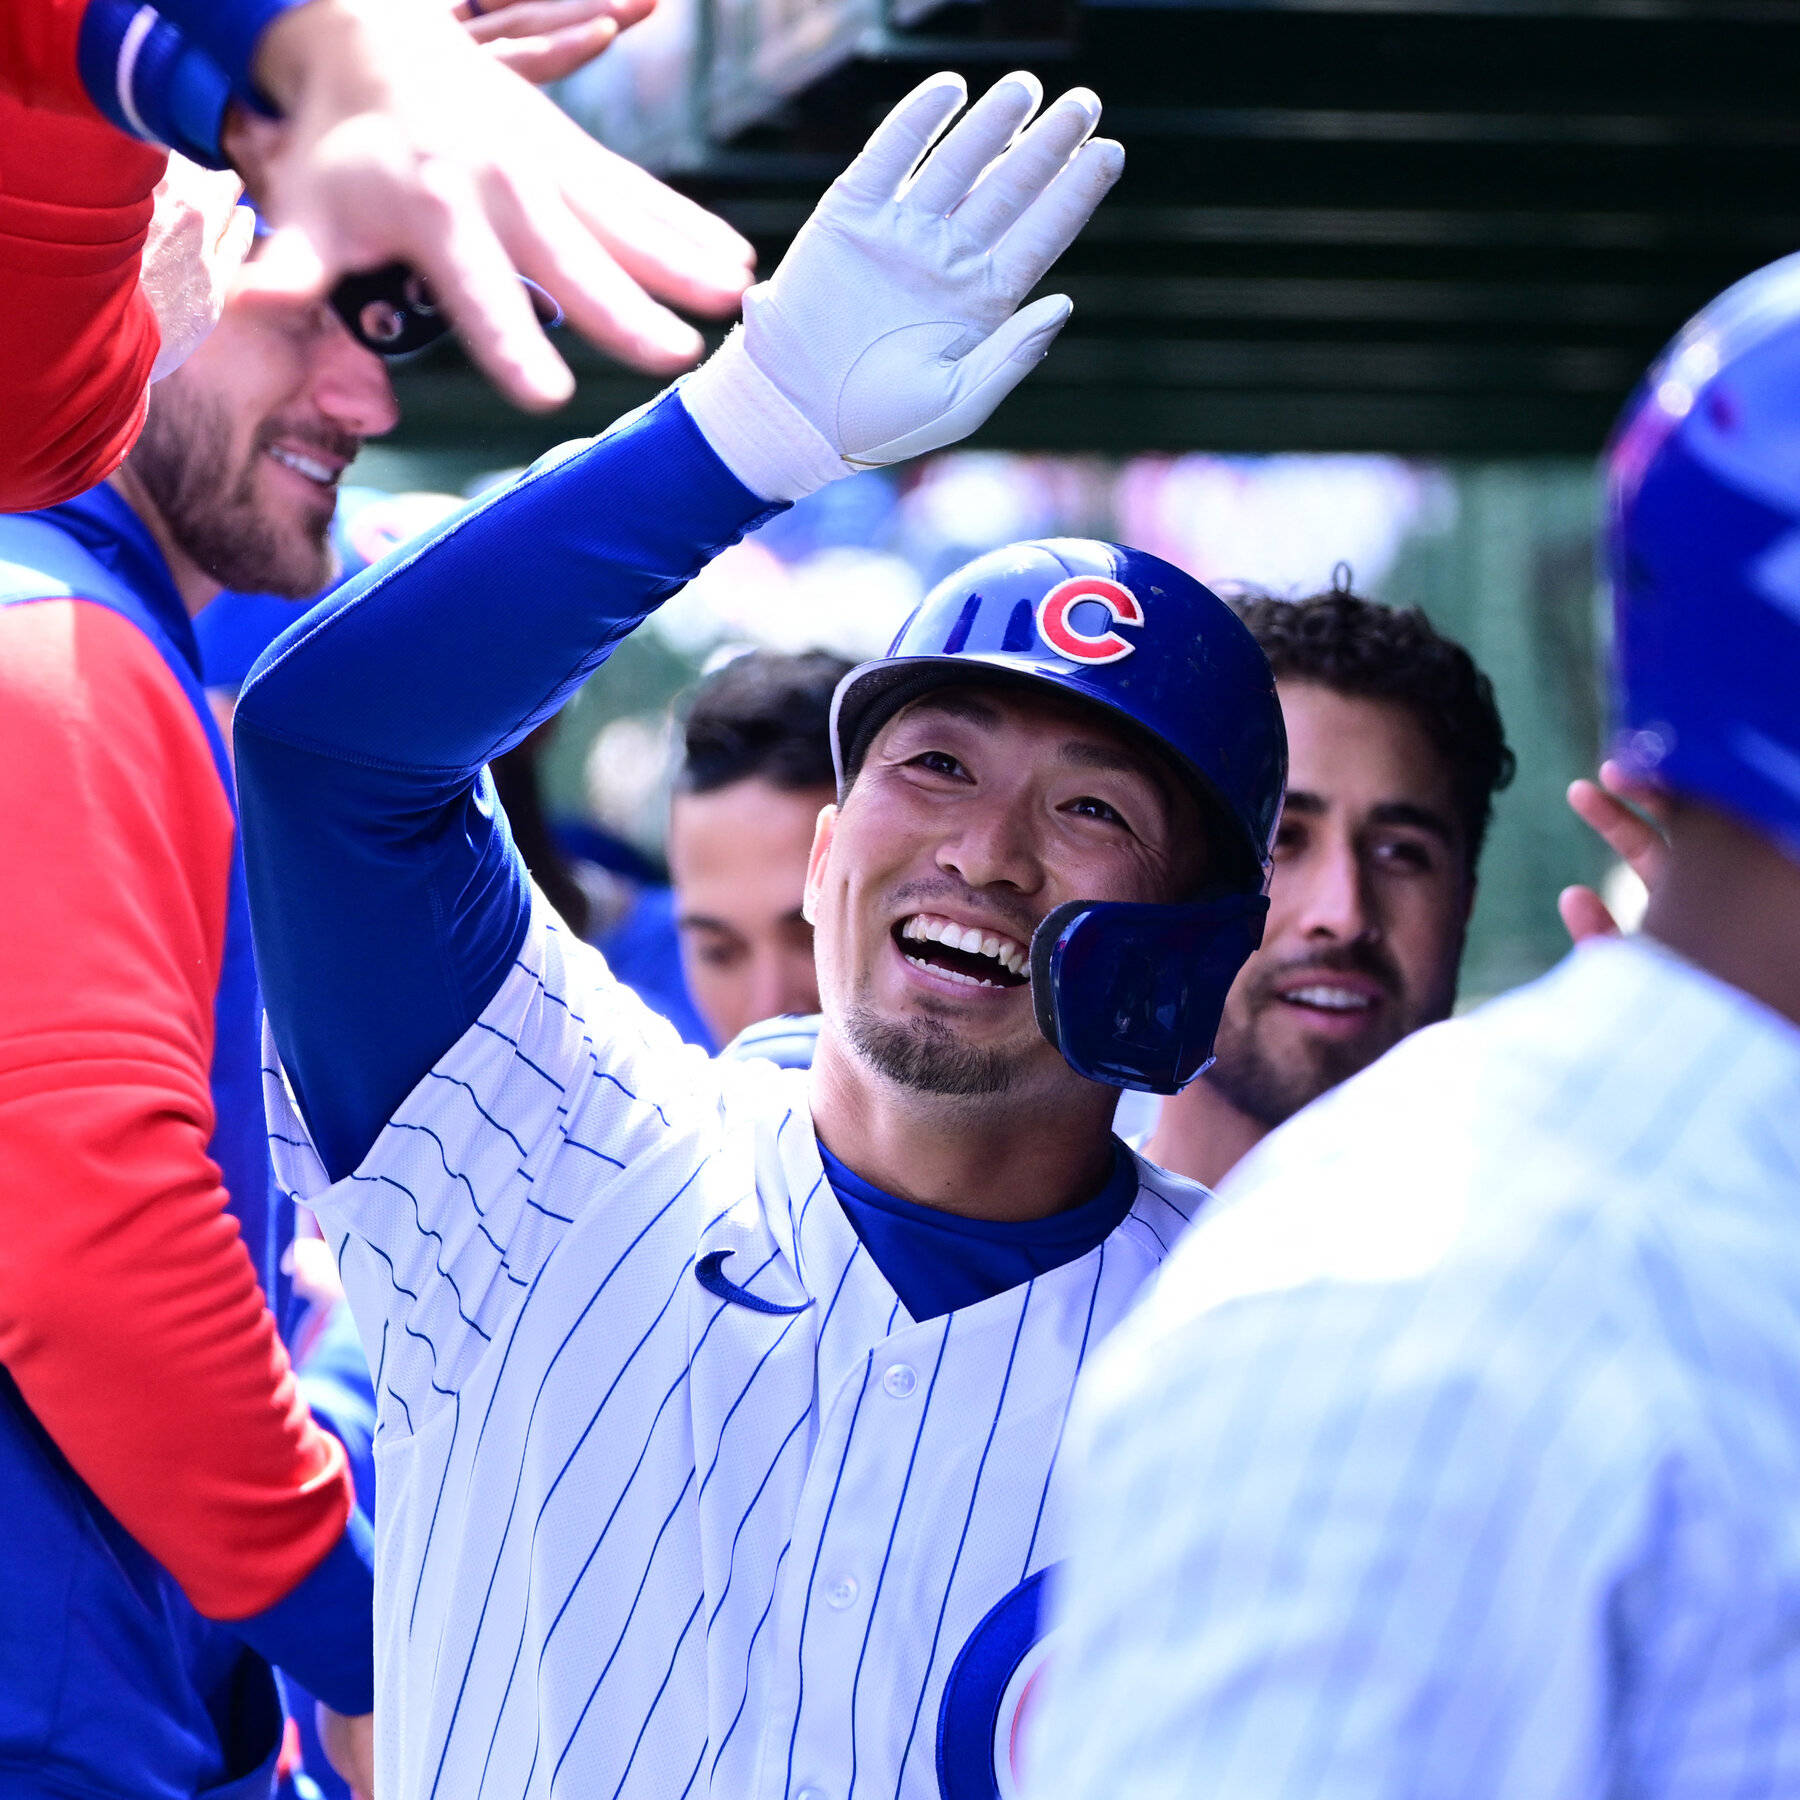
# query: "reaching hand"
(545, 40)
(891, 327)
(199, 236)
(403, 141)
(1635, 836)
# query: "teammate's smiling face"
(975, 812)
(245, 444)
(1368, 906)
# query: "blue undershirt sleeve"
(387, 899)
(152, 80)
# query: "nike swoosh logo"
(709, 1272)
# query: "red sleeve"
(130, 1314)
(78, 337)
(37, 54)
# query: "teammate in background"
(756, 770)
(1395, 753)
(720, 1408)
(1454, 1454)
(397, 139)
(175, 1519)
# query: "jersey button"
(842, 1593)
(809, 1794)
(900, 1381)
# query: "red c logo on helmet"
(1062, 637)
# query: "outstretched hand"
(402, 140)
(1629, 817)
(546, 40)
(893, 325)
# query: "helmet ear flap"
(1132, 994)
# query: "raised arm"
(388, 901)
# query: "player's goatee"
(926, 1055)
(184, 459)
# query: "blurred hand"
(199, 237)
(544, 40)
(401, 141)
(350, 1746)
(1634, 836)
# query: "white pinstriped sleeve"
(540, 1112)
(1452, 1455)
(1352, 1566)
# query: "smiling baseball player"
(720, 1410)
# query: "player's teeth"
(950, 974)
(1334, 999)
(304, 465)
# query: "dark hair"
(1359, 648)
(764, 714)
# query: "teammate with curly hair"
(1395, 753)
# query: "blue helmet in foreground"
(1703, 548)
(1130, 994)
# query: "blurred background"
(1377, 277)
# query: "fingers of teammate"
(1585, 915)
(900, 140)
(601, 299)
(674, 249)
(1629, 836)
(545, 40)
(977, 138)
(1010, 185)
(639, 194)
(499, 20)
(288, 266)
(1051, 222)
(555, 54)
(472, 275)
(1644, 795)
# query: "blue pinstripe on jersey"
(1454, 1453)
(638, 1539)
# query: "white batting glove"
(891, 327)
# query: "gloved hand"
(890, 327)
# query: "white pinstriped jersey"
(1457, 1453)
(635, 1539)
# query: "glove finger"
(1029, 167)
(981, 134)
(984, 377)
(1050, 224)
(900, 140)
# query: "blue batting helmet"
(1703, 504)
(1130, 994)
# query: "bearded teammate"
(396, 140)
(720, 1411)
(1456, 1454)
